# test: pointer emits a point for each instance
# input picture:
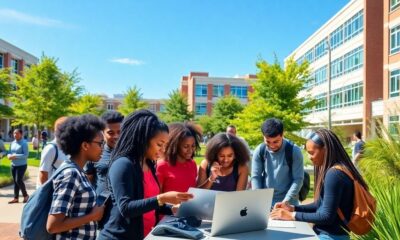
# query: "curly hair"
(222, 140)
(112, 117)
(76, 130)
(178, 132)
(137, 129)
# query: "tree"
(205, 122)
(43, 94)
(224, 111)
(6, 86)
(87, 103)
(132, 101)
(276, 94)
(176, 108)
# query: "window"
(394, 4)
(110, 106)
(14, 66)
(353, 94)
(353, 60)
(201, 90)
(201, 108)
(336, 38)
(309, 56)
(218, 90)
(320, 75)
(321, 102)
(395, 40)
(320, 49)
(394, 125)
(239, 91)
(336, 98)
(337, 68)
(353, 26)
(394, 90)
(1, 60)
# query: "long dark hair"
(222, 140)
(335, 154)
(178, 132)
(137, 129)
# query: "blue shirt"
(286, 185)
(99, 170)
(19, 149)
(358, 147)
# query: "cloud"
(127, 61)
(10, 14)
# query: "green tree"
(205, 122)
(6, 78)
(276, 94)
(224, 111)
(88, 103)
(176, 108)
(132, 101)
(43, 94)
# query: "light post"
(328, 102)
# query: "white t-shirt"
(47, 158)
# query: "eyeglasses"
(101, 144)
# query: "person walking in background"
(51, 158)
(178, 171)
(18, 155)
(3, 150)
(225, 167)
(358, 147)
(35, 142)
(73, 212)
(44, 136)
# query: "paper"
(280, 224)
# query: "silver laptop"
(201, 206)
(241, 211)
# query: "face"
(274, 143)
(231, 131)
(315, 153)
(94, 148)
(186, 148)
(17, 135)
(156, 146)
(111, 133)
(226, 156)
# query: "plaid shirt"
(74, 196)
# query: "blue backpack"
(36, 210)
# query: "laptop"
(241, 211)
(201, 206)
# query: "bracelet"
(159, 201)
(209, 179)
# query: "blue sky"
(152, 44)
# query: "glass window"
(1, 60)
(394, 125)
(336, 37)
(239, 91)
(337, 68)
(353, 94)
(201, 90)
(353, 60)
(321, 102)
(395, 40)
(201, 108)
(218, 90)
(394, 90)
(394, 4)
(320, 75)
(336, 98)
(14, 65)
(320, 49)
(354, 26)
(309, 56)
(110, 106)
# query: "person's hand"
(11, 156)
(215, 170)
(97, 213)
(285, 205)
(175, 197)
(175, 208)
(281, 214)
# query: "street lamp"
(328, 48)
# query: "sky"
(118, 44)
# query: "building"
(346, 51)
(154, 105)
(17, 59)
(203, 91)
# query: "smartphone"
(101, 200)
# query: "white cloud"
(127, 61)
(10, 14)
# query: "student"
(225, 167)
(178, 172)
(73, 212)
(334, 189)
(358, 147)
(135, 193)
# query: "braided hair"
(137, 129)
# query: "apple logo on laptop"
(243, 212)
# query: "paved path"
(10, 214)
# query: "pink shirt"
(151, 189)
(179, 178)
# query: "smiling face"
(111, 133)
(156, 146)
(17, 134)
(274, 143)
(186, 149)
(226, 156)
(315, 152)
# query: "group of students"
(147, 167)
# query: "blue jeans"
(333, 237)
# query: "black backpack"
(289, 160)
(235, 170)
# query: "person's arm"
(24, 154)
(161, 169)
(46, 161)
(202, 180)
(243, 177)
(257, 169)
(297, 173)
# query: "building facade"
(154, 105)
(17, 59)
(347, 52)
(203, 91)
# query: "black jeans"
(18, 173)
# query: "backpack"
(36, 210)
(235, 171)
(56, 156)
(305, 188)
(363, 214)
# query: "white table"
(301, 231)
